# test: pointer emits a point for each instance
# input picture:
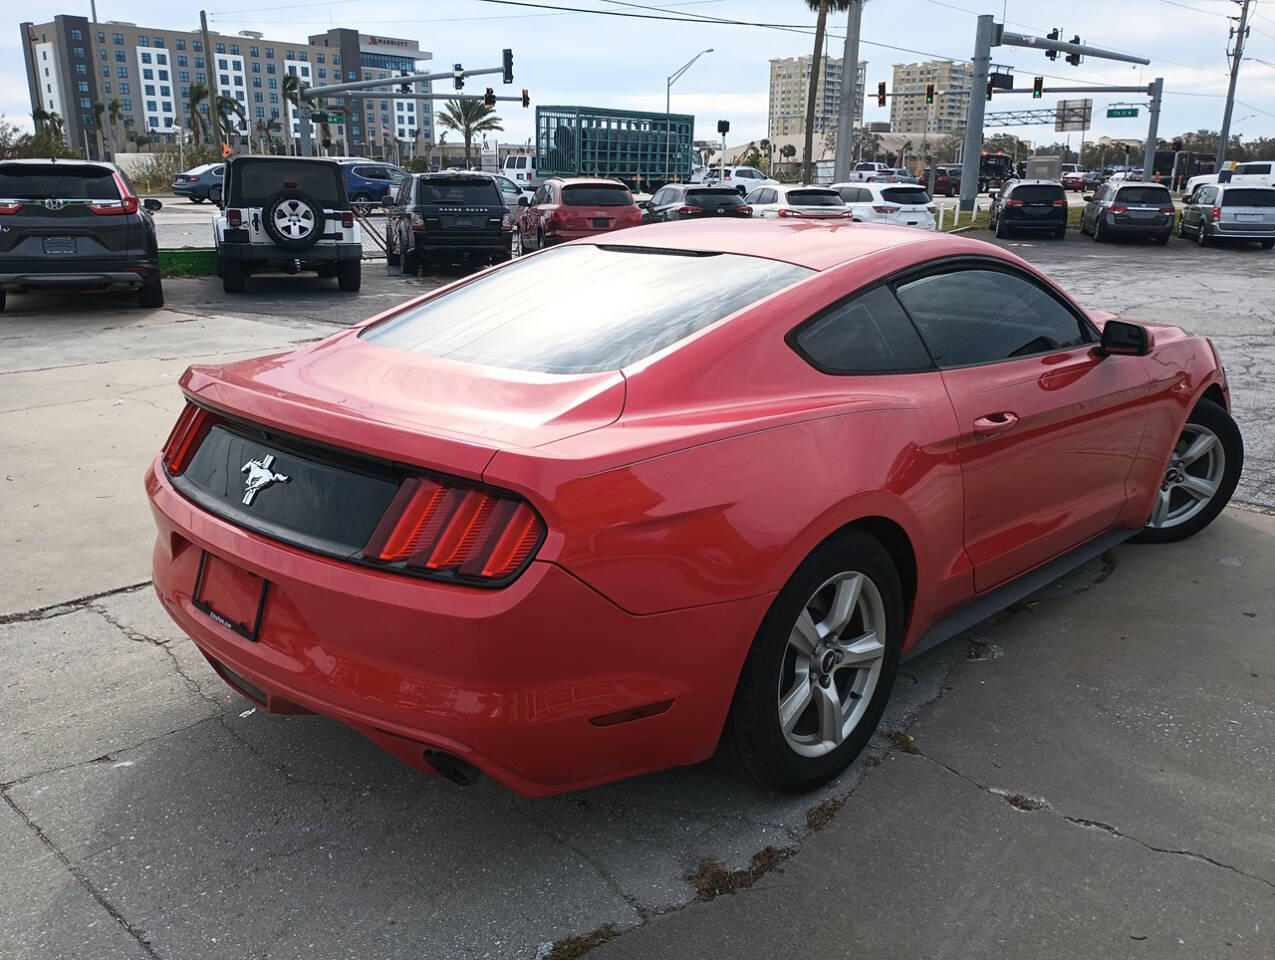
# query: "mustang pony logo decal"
(259, 477)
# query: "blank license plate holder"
(59, 244)
(230, 596)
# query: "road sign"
(1073, 115)
(1122, 111)
(323, 118)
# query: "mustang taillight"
(449, 528)
(188, 433)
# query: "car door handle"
(994, 423)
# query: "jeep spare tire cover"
(293, 219)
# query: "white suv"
(743, 179)
(797, 200)
(289, 214)
(904, 204)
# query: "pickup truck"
(863, 172)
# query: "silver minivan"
(1236, 211)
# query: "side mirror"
(1123, 339)
(1087, 198)
(151, 204)
(993, 194)
(644, 204)
(523, 201)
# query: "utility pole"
(851, 98)
(972, 153)
(1236, 57)
(1153, 110)
(209, 59)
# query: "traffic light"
(881, 94)
(989, 89)
(723, 127)
(1074, 58)
(526, 97)
(507, 62)
(489, 98)
(458, 76)
(929, 93)
(1177, 143)
(1038, 88)
(404, 87)
(1052, 35)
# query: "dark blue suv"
(370, 181)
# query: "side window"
(403, 196)
(538, 196)
(658, 199)
(769, 196)
(1209, 195)
(982, 316)
(868, 333)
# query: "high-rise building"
(73, 63)
(789, 92)
(909, 113)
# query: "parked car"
(603, 510)
(1073, 179)
(289, 214)
(1254, 174)
(1194, 182)
(1093, 180)
(569, 208)
(797, 200)
(1129, 208)
(743, 179)
(947, 180)
(370, 181)
(893, 175)
(520, 168)
(453, 214)
(901, 204)
(1036, 206)
(693, 201)
(73, 225)
(1229, 211)
(865, 170)
(200, 183)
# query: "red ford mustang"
(588, 513)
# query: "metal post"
(1153, 111)
(209, 56)
(303, 128)
(668, 129)
(1230, 90)
(973, 148)
(844, 153)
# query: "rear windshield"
(950, 171)
(583, 309)
(602, 196)
(1038, 194)
(258, 182)
(1248, 198)
(45, 181)
(1253, 168)
(815, 198)
(715, 198)
(459, 190)
(906, 195)
(1153, 196)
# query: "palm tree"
(114, 110)
(39, 116)
(469, 117)
(442, 149)
(195, 95)
(232, 116)
(55, 124)
(822, 6)
(99, 108)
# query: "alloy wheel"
(515, 243)
(294, 219)
(832, 663)
(1192, 478)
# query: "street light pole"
(668, 103)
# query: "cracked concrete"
(149, 812)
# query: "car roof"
(1242, 186)
(58, 161)
(266, 158)
(1043, 182)
(588, 181)
(1121, 184)
(812, 244)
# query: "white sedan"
(904, 204)
(796, 200)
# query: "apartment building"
(73, 63)
(909, 112)
(790, 88)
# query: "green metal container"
(645, 150)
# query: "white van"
(520, 168)
(1254, 173)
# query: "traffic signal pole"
(1240, 36)
(972, 151)
(851, 99)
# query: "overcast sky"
(578, 58)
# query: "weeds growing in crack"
(820, 815)
(712, 879)
(568, 948)
(903, 741)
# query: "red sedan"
(565, 209)
(588, 513)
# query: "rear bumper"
(1034, 223)
(508, 680)
(564, 234)
(1246, 232)
(438, 242)
(190, 189)
(1134, 229)
(17, 274)
(272, 255)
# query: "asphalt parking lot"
(1090, 775)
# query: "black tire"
(1060, 233)
(2, 300)
(1098, 235)
(361, 198)
(151, 294)
(409, 263)
(540, 239)
(1215, 418)
(753, 728)
(392, 257)
(1202, 235)
(195, 199)
(1000, 229)
(1267, 244)
(349, 275)
(232, 276)
(293, 244)
(1180, 227)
